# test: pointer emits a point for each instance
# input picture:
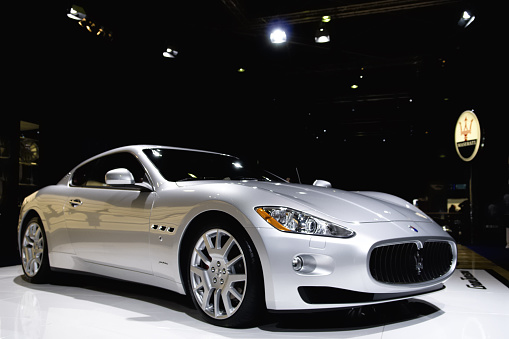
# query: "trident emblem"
(418, 263)
(466, 131)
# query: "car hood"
(352, 207)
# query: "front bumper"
(336, 272)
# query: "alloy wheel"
(32, 249)
(218, 274)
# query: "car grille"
(409, 263)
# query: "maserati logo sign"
(467, 136)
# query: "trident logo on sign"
(466, 131)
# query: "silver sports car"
(237, 239)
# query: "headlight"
(290, 220)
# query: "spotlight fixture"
(170, 53)
(326, 18)
(76, 13)
(322, 34)
(466, 19)
(278, 36)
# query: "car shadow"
(356, 318)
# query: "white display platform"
(474, 305)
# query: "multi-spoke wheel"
(224, 276)
(34, 256)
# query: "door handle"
(75, 202)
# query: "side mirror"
(119, 176)
(322, 183)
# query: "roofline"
(139, 148)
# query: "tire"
(223, 275)
(34, 252)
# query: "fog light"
(297, 263)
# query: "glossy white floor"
(474, 305)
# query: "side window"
(92, 174)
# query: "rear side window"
(92, 174)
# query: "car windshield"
(183, 165)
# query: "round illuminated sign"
(467, 136)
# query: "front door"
(109, 225)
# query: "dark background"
(293, 107)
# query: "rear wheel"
(224, 276)
(34, 252)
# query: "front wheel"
(224, 276)
(34, 252)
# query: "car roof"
(148, 146)
(136, 149)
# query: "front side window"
(92, 174)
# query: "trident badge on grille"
(418, 262)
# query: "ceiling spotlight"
(76, 13)
(326, 18)
(466, 19)
(278, 36)
(170, 53)
(322, 35)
